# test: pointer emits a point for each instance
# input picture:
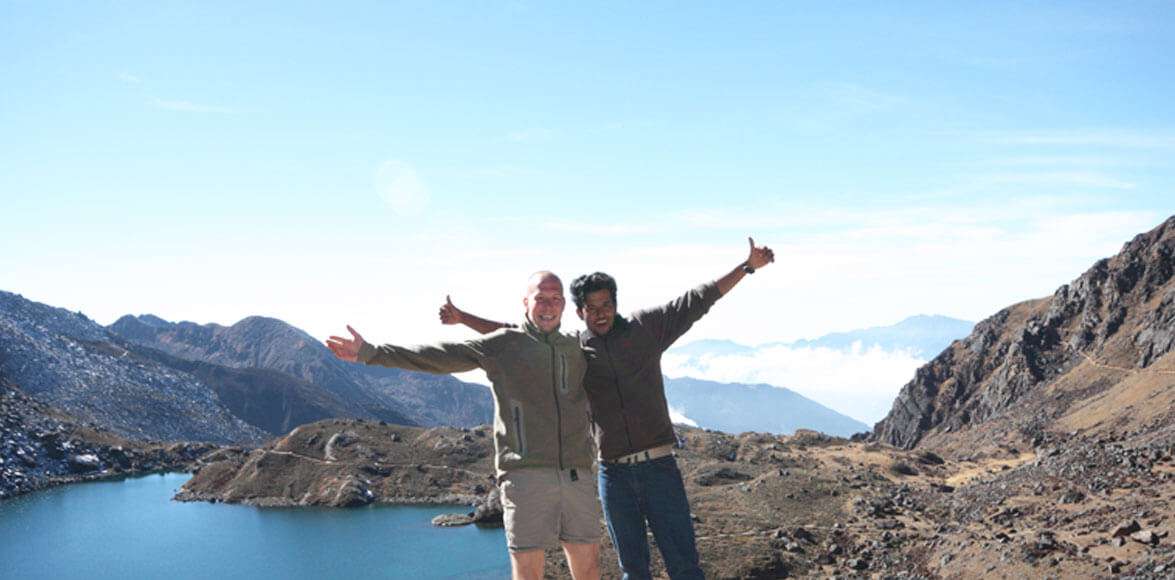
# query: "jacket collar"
(530, 328)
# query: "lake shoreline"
(129, 527)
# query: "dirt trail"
(965, 476)
(376, 463)
(1124, 369)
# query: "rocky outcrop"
(41, 446)
(487, 511)
(1120, 314)
(346, 463)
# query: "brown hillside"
(1095, 345)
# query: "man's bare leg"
(584, 560)
(527, 565)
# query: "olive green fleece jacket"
(540, 408)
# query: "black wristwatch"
(747, 269)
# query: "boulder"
(1148, 537)
(488, 510)
(353, 493)
(452, 520)
(84, 463)
(1126, 529)
(720, 476)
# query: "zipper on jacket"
(619, 395)
(518, 433)
(558, 412)
(563, 372)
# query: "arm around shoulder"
(450, 314)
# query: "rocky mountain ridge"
(1105, 334)
(735, 408)
(923, 335)
(262, 343)
(242, 384)
(69, 361)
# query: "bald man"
(543, 448)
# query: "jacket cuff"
(709, 292)
(367, 352)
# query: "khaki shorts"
(543, 507)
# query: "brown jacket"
(624, 383)
(540, 408)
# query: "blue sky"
(356, 162)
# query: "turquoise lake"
(131, 529)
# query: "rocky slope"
(268, 344)
(769, 506)
(67, 360)
(1065, 360)
(349, 463)
(269, 400)
(41, 446)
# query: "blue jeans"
(633, 493)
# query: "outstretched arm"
(760, 257)
(450, 314)
(440, 358)
(672, 320)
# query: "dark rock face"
(1122, 308)
(40, 446)
(267, 344)
(269, 400)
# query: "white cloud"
(860, 383)
(401, 187)
(188, 106)
(679, 418)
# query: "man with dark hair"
(638, 477)
(542, 450)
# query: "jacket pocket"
(519, 422)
